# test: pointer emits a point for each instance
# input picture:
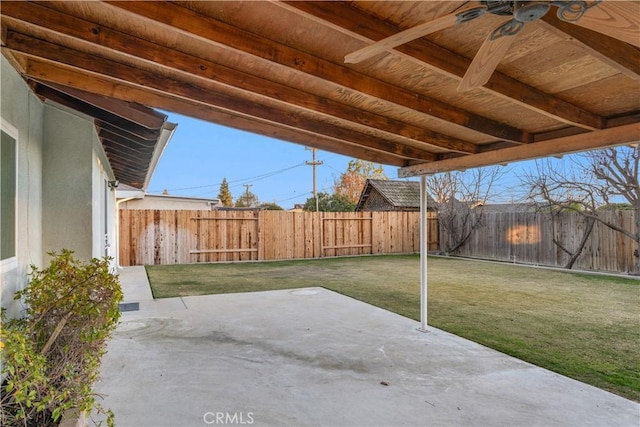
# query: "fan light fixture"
(618, 22)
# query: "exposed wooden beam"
(149, 119)
(624, 119)
(67, 100)
(626, 134)
(120, 43)
(189, 22)
(613, 52)
(106, 86)
(207, 95)
(370, 29)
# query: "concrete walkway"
(311, 357)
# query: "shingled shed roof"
(400, 195)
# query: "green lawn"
(583, 326)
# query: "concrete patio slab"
(313, 357)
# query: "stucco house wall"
(75, 191)
(62, 197)
(21, 115)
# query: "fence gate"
(224, 236)
(346, 235)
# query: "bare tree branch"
(590, 183)
(459, 198)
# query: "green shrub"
(51, 355)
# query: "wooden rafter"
(370, 29)
(233, 64)
(104, 85)
(119, 43)
(133, 116)
(59, 94)
(206, 95)
(189, 22)
(626, 134)
(618, 55)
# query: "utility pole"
(246, 199)
(314, 163)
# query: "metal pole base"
(421, 329)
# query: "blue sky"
(201, 154)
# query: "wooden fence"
(181, 237)
(528, 238)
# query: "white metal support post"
(424, 248)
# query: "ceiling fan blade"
(617, 19)
(414, 33)
(485, 62)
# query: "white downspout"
(117, 236)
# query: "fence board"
(529, 238)
(170, 237)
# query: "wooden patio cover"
(278, 69)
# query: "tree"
(590, 183)
(460, 197)
(352, 181)
(247, 200)
(224, 194)
(329, 203)
(270, 206)
(551, 189)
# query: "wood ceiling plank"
(619, 19)
(551, 80)
(370, 29)
(133, 156)
(124, 133)
(124, 141)
(625, 134)
(130, 165)
(123, 73)
(105, 38)
(610, 97)
(618, 55)
(176, 18)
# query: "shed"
(385, 195)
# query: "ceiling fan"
(614, 19)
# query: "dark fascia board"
(133, 149)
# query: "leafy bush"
(51, 355)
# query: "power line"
(294, 197)
(250, 179)
(266, 175)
